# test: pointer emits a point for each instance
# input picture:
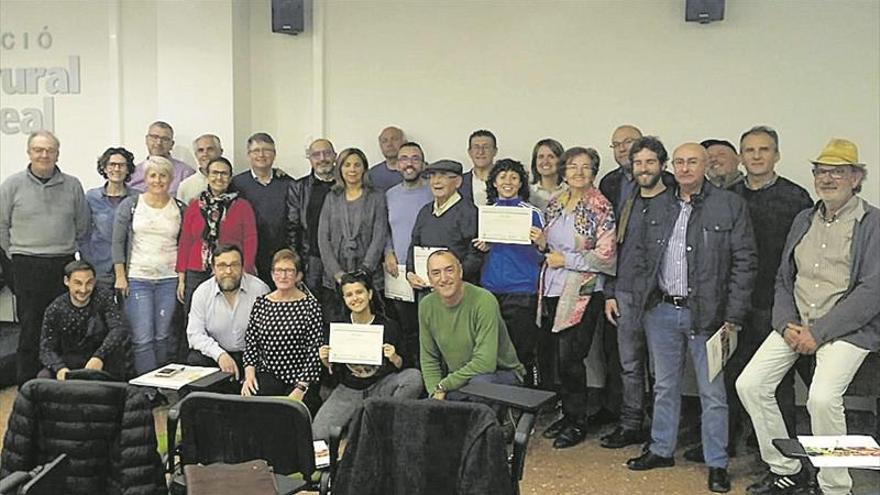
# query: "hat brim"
(837, 163)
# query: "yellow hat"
(839, 152)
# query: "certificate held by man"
(356, 344)
(504, 224)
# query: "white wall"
(572, 70)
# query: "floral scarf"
(213, 209)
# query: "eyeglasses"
(681, 162)
(156, 137)
(833, 172)
(116, 165)
(262, 151)
(622, 144)
(219, 173)
(284, 272)
(409, 159)
(578, 168)
(226, 267)
(318, 154)
(40, 151)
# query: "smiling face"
(646, 168)
(835, 184)
(689, 164)
(722, 161)
(285, 275)
(322, 158)
(352, 170)
(482, 151)
(410, 163)
(759, 154)
(80, 285)
(261, 155)
(206, 149)
(43, 153)
(579, 172)
(546, 161)
(158, 180)
(219, 177)
(508, 184)
(444, 273)
(444, 185)
(116, 169)
(357, 297)
(160, 141)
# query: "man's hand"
(62, 373)
(415, 281)
(391, 264)
(227, 364)
(95, 363)
(792, 335)
(439, 395)
(807, 344)
(611, 311)
(555, 259)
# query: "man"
(723, 168)
(448, 222)
(221, 307)
(825, 305)
(160, 142)
(206, 148)
(43, 214)
(265, 188)
(618, 184)
(482, 148)
(773, 203)
(84, 329)
(404, 202)
(304, 201)
(462, 334)
(695, 266)
(386, 174)
(648, 157)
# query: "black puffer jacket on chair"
(106, 429)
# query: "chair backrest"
(233, 429)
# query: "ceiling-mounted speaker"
(704, 11)
(288, 16)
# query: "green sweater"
(467, 340)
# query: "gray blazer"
(856, 316)
(344, 251)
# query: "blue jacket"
(96, 248)
(513, 268)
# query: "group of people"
(258, 264)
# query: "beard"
(652, 180)
(229, 284)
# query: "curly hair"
(105, 158)
(507, 165)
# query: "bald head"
(689, 162)
(621, 141)
(390, 140)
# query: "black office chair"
(218, 428)
(47, 479)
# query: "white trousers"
(836, 364)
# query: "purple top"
(560, 237)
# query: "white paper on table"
(719, 348)
(356, 344)
(178, 380)
(504, 224)
(398, 287)
(420, 261)
(853, 451)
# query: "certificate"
(719, 348)
(420, 260)
(398, 287)
(504, 224)
(356, 344)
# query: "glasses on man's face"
(262, 151)
(622, 144)
(47, 151)
(227, 267)
(284, 272)
(156, 137)
(836, 173)
(317, 155)
(409, 159)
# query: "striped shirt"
(674, 267)
(823, 259)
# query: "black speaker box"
(287, 16)
(704, 11)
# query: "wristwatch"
(439, 388)
(302, 386)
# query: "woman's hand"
(324, 355)
(536, 235)
(390, 353)
(481, 245)
(121, 285)
(181, 287)
(555, 259)
(250, 385)
(297, 394)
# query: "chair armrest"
(521, 444)
(171, 435)
(522, 398)
(10, 484)
(335, 435)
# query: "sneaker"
(776, 484)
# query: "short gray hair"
(46, 134)
(761, 129)
(212, 137)
(160, 164)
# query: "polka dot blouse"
(283, 338)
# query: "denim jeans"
(669, 332)
(150, 307)
(633, 353)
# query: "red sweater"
(237, 227)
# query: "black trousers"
(612, 393)
(196, 358)
(572, 345)
(38, 281)
(270, 385)
(519, 312)
(407, 316)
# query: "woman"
(546, 179)
(358, 382)
(510, 271)
(116, 166)
(145, 235)
(216, 216)
(283, 336)
(352, 228)
(581, 243)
